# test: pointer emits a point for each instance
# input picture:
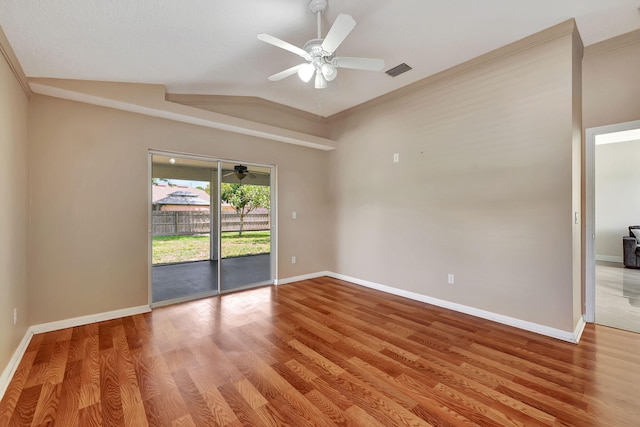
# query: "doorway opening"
(612, 184)
(206, 239)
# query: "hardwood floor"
(318, 353)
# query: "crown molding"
(12, 60)
(562, 29)
(623, 40)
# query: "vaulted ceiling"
(210, 47)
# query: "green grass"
(251, 243)
(169, 249)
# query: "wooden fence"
(170, 223)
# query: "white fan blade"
(286, 73)
(283, 45)
(369, 64)
(341, 28)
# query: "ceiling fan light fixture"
(320, 52)
(320, 82)
(305, 72)
(329, 71)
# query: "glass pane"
(184, 230)
(245, 224)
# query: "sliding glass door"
(210, 227)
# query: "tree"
(245, 198)
(262, 195)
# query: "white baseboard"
(91, 318)
(610, 258)
(8, 372)
(569, 336)
(577, 333)
(300, 278)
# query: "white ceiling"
(210, 46)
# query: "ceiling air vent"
(398, 69)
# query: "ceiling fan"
(241, 172)
(320, 53)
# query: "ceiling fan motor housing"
(317, 5)
(240, 171)
(314, 47)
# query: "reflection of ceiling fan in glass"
(320, 53)
(241, 172)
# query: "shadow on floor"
(182, 280)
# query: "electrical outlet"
(396, 157)
(15, 316)
(450, 279)
(293, 260)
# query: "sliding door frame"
(218, 224)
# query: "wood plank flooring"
(321, 352)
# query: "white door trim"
(590, 207)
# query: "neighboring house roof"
(163, 191)
(182, 198)
(164, 194)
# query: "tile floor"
(617, 296)
(200, 278)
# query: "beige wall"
(258, 110)
(611, 85)
(14, 213)
(577, 153)
(483, 190)
(617, 196)
(89, 256)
